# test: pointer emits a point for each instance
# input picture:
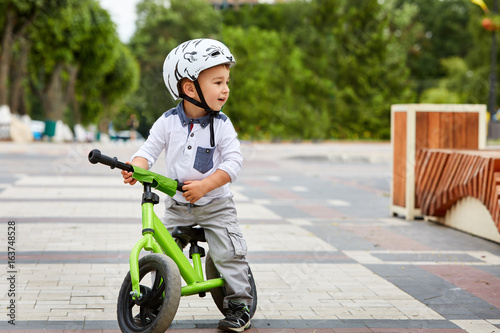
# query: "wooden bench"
(460, 188)
(441, 170)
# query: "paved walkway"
(326, 254)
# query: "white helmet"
(190, 58)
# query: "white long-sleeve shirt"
(188, 154)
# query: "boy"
(203, 152)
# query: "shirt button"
(208, 151)
(184, 123)
(189, 147)
(203, 124)
(192, 134)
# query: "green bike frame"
(156, 238)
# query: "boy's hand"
(195, 190)
(127, 177)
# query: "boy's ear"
(189, 88)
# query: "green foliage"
(58, 37)
(316, 69)
(305, 70)
(108, 71)
(268, 82)
(76, 57)
(161, 26)
(442, 33)
(336, 71)
(465, 66)
(360, 70)
(459, 85)
(77, 68)
(445, 31)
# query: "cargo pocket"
(204, 161)
(239, 243)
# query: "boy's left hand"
(195, 190)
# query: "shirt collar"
(185, 120)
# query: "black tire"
(157, 308)
(218, 294)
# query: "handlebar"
(95, 157)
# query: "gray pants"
(227, 246)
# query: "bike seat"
(188, 234)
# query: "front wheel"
(218, 294)
(160, 285)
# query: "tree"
(454, 87)
(19, 15)
(319, 69)
(274, 95)
(367, 67)
(57, 41)
(161, 26)
(465, 75)
(75, 53)
(443, 34)
(351, 68)
(107, 71)
(115, 87)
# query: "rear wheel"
(218, 294)
(160, 286)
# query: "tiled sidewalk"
(326, 255)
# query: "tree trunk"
(19, 72)
(58, 93)
(71, 94)
(5, 52)
(53, 99)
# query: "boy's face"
(214, 84)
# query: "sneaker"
(237, 318)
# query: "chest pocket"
(204, 160)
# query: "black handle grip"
(179, 186)
(95, 156)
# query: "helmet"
(190, 58)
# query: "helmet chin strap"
(204, 105)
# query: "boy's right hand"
(127, 177)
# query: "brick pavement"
(326, 254)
